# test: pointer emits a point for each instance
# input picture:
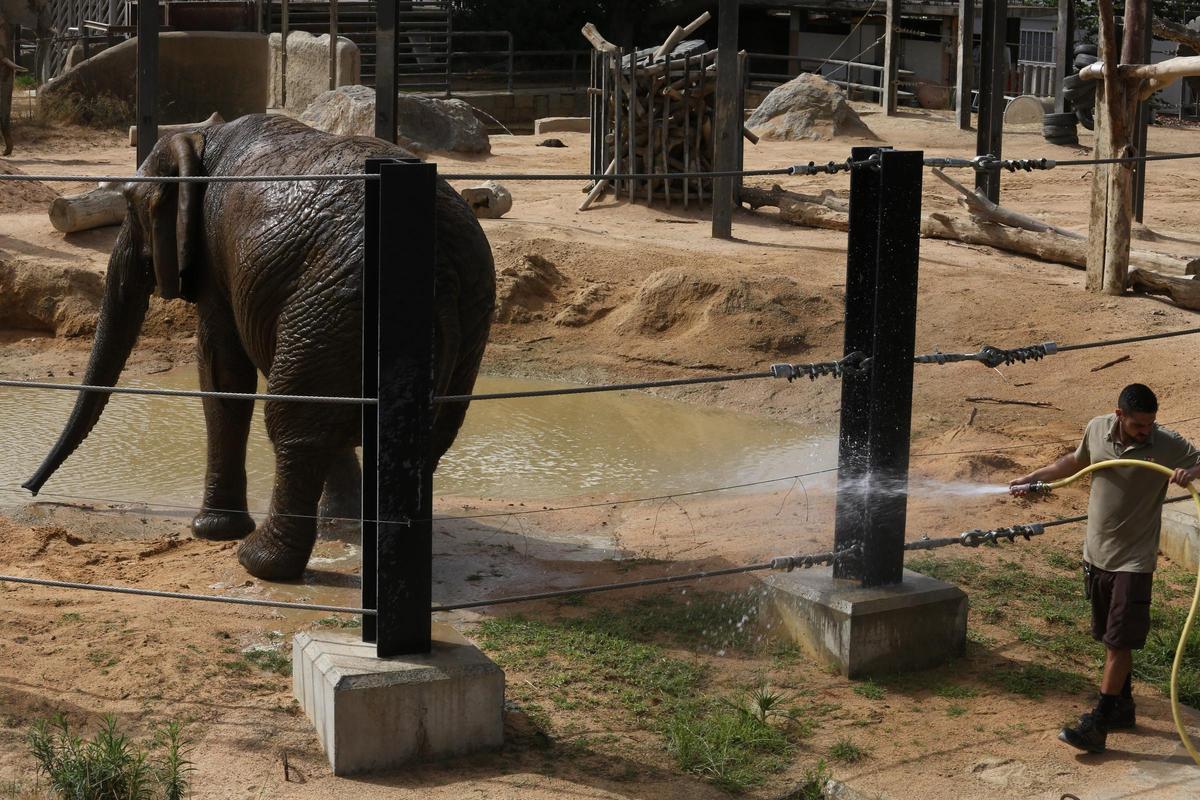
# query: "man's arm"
(1065, 467)
(1187, 465)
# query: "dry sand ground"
(619, 292)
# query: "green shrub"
(110, 766)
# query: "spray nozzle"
(1036, 487)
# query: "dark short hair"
(1137, 398)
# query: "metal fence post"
(385, 70)
(728, 126)
(147, 79)
(407, 252)
(993, 75)
(891, 370)
(861, 259)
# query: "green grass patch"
(610, 658)
(954, 710)
(728, 746)
(954, 691)
(847, 751)
(870, 690)
(340, 622)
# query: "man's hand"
(1183, 477)
(1020, 486)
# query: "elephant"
(30, 14)
(275, 273)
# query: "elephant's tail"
(122, 311)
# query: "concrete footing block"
(561, 125)
(1180, 540)
(374, 714)
(916, 624)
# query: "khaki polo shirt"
(1125, 506)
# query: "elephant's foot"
(222, 526)
(269, 555)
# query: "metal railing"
(797, 65)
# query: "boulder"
(308, 67)
(423, 124)
(489, 200)
(807, 107)
(198, 72)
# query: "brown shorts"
(1120, 607)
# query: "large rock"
(308, 68)
(807, 107)
(423, 124)
(198, 73)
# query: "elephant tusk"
(15, 67)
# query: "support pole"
(1064, 51)
(891, 56)
(729, 127)
(385, 70)
(862, 255)
(333, 43)
(993, 63)
(793, 64)
(891, 370)
(881, 313)
(147, 78)
(966, 62)
(284, 29)
(404, 465)
(1145, 111)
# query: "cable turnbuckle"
(977, 537)
(851, 362)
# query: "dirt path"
(616, 293)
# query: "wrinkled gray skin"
(275, 271)
(32, 14)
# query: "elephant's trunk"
(126, 297)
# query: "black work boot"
(1124, 716)
(1090, 733)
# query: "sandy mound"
(18, 197)
(805, 108)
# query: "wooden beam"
(891, 54)
(966, 62)
(1064, 53)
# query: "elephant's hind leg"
(340, 509)
(224, 367)
(280, 548)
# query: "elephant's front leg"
(224, 367)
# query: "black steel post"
(404, 540)
(729, 126)
(891, 370)
(965, 66)
(370, 387)
(861, 260)
(993, 74)
(147, 78)
(385, 70)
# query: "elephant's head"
(156, 247)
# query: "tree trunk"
(104, 205)
(1185, 292)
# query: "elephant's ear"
(176, 219)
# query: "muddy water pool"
(151, 449)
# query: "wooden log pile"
(653, 111)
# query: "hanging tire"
(1083, 60)
(1072, 83)
(1086, 118)
(1090, 49)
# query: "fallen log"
(980, 205)
(825, 210)
(104, 205)
(183, 127)
(1184, 292)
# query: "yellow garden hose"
(1187, 626)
